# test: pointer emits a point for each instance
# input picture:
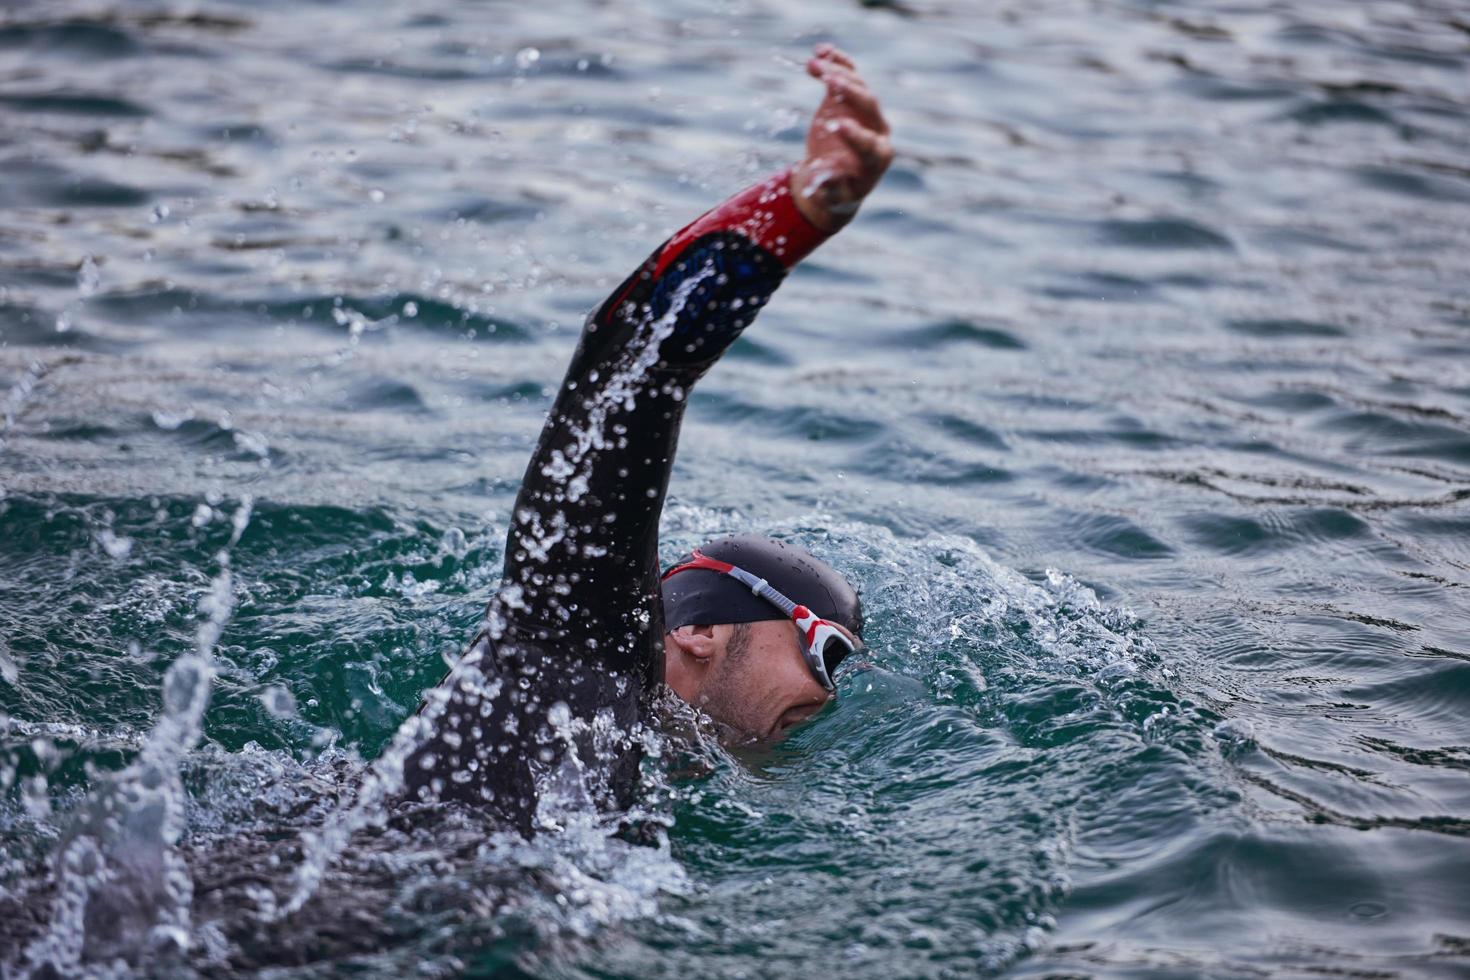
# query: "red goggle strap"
(700, 561)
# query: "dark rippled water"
(1137, 402)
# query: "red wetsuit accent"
(764, 213)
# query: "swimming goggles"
(824, 644)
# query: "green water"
(1136, 403)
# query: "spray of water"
(123, 890)
(17, 396)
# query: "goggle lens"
(829, 648)
(834, 651)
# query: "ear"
(688, 653)
(697, 642)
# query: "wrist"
(821, 197)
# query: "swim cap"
(700, 597)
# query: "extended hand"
(847, 147)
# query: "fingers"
(873, 148)
(847, 88)
(827, 57)
(832, 52)
(848, 136)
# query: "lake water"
(1137, 403)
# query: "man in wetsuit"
(583, 634)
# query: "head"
(737, 656)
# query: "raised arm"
(577, 620)
(590, 503)
(582, 554)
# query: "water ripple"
(1162, 308)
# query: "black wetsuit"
(577, 620)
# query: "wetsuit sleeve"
(577, 620)
(582, 556)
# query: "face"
(750, 678)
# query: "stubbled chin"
(681, 713)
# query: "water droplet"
(377, 196)
(280, 702)
(115, 545)
(454, 543)
(89, 278)
(526, 57)
(34, 797)
(172, 420)
(186, 688)
(9, 669)
(166, 940)
(241, 518)
(253, 443)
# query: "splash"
(123, 890)
(15, 399)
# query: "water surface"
(1137, 403)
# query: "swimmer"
(585, 634)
